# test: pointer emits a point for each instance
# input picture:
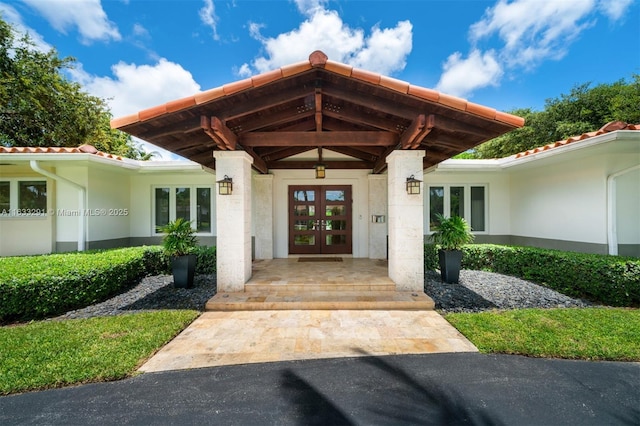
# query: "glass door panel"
(320, 220)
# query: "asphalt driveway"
(458, 388)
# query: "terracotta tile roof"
(609, 127)
(82, 149)
(319, 60)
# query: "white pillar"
(406, 221)
(263, 190)
(378, 219)
(233, 221)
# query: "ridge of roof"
(82, 149)
(607, 128)
(319, 59)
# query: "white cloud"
(11, 15)
(310, 7)
(209, 18)
(614, 9)
(384, 51)
(137, 87)
(463, 75)
(525, 26)
(87, 15)
(529, 32)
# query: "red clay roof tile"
(394, 84)
(152, 112)
(424, 93)
(82, 149)
(364, 75)
(267, 77)
(179, 104)
(607, 128)
(481, 110)
(338, 68)
(319, 59)
(208, 95)
(293, 69)
(237, 86)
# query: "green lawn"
(593, 334)
(48, 354)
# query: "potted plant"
(451, 233)
(179, 244)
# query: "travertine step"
(320, 300)
(301, 286)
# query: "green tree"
(39, 106)
(584, 109)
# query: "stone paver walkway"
(242, 337)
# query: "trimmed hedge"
(35, 287)
(610, 280)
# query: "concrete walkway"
(242, 337)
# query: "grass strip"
(50, 354)
(611, 334)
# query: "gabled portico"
(268, 133)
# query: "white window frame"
(193, 204)
(14, 199)
(467, 203)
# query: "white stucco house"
(273, 136)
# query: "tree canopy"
(584, 109)
(39, 106)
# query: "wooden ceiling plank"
(353, 152)
(259, 139)
(381, 164)
(288, 152)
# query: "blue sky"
(503, 54)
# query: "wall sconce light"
(320, 171)
(413, 185)
(225, 186)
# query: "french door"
(320, 219)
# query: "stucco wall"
(26, 235)
(109, 203)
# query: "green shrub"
(206, 263)
(39, 286)
(610, 280)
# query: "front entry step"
(320, 300)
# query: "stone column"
(378, 211)
(263, 190)
(233, 221)
(406, 221)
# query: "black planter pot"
(450, 263)
(184, 269)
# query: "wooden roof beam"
(310, 164)
(258, 163)
(318, 117)
(326, 139)
(416, 132)
(205, 124)
(287, 152)
(224, 133)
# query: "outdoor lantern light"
(413, 185)
(320, 171)
(225, 186)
